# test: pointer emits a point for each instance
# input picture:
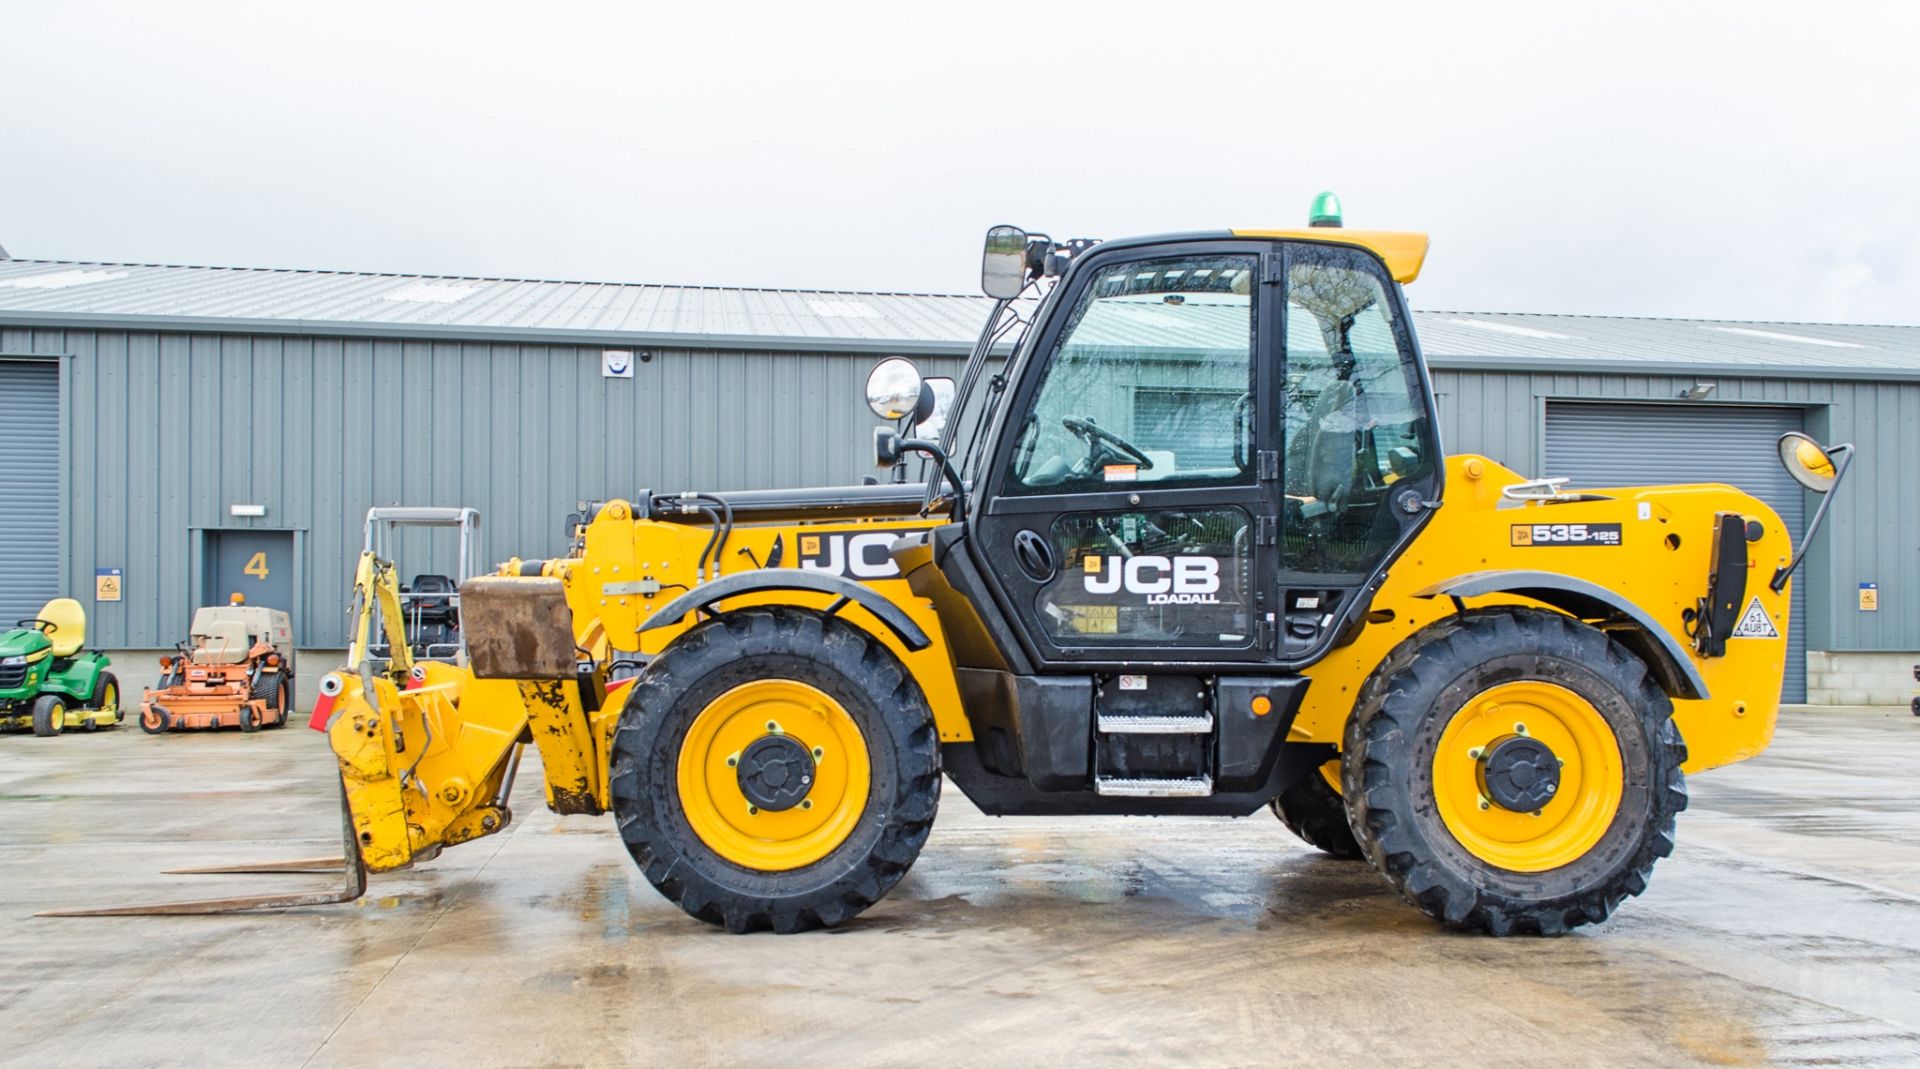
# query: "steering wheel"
(1097, 435)
(45, 627)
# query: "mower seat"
(225, 642)
(69, 622)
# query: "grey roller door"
(1637, 444)
(29, 487)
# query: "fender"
(1671, 666)
(844, 590)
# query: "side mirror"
(936, 396)
(894, 389)
(1809, 462)
(1003, 266)
(1820, 470)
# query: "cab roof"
(1402, 250)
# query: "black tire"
(271, 687)
(283, 703)
(99, 700)
(1388, 774)
(158, 724)
(49, 715)
(248, 722)
(877, 693)
(1314, 811)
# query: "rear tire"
(271, 688)
(1314, 811)
(106, 695)
(49, 715)
(742, 871)
(1498, 867)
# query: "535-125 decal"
(1566, 534)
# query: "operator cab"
(1202, 454)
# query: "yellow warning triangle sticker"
(1755, 623)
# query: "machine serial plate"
(1566, 534)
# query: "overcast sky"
(1746, 160)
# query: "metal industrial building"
(185, 429)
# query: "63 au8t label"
(1566, 534)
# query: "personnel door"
(1127, 517)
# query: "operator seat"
(69, 622)
(1332, 449)
(225, 642)
(435, 610)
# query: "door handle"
(1034, 556)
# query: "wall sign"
(106, 584)
(1869, 597)
(616, 363)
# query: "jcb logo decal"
(1162, 580)
(1565, 534)
(866, 555)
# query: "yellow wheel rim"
(720, 812)
(110, 701)
(1592, 776)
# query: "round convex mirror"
(893, 388)
(1807, 461)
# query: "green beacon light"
(1325, 210)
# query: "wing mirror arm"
(889, 447)
(1842, 459)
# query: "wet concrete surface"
(1786, 930)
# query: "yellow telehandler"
(1188, 545)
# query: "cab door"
(1132, 497)
(1362, 461)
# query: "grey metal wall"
(1872, 535)
(169, 430)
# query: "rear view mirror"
(1811, 464)
(1003, 266)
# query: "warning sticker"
(1122, 473)
(1755, 623)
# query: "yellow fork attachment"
(432, 764)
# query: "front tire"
(49, 715)
(775, 768)
(1514, 771)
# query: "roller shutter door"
(1636, 444)
(29, 487)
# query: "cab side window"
(1353, 410)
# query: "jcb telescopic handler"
(1191, 548)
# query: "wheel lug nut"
(1484, 804)
(1519, 729)
(733, 760)
(1476, 753)
(773, 726)
(818, 753)
(753, 810)
(806, 803)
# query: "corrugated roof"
(149, 296)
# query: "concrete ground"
(1785, 931)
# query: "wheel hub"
(775, 773)
(1520, 774)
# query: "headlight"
(12, 662)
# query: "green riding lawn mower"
(47, 682)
